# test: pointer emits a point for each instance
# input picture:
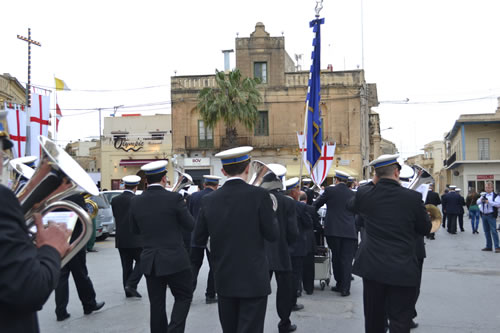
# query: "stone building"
(473, 151)
(131, 141)
(346, 100)
(11, 91)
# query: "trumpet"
(57, 177)
(183, 180)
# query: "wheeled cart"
(322, 266)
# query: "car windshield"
(109, 196)
(100, 201)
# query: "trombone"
(57, 177)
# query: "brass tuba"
(57, 177)
(183, 180)
(423, 177)
(262, 176)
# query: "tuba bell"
(57, 177)
(262, 175)
(183, 180)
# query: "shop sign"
(345, 162)
(123, 144)
(485, 177)
(196, 161)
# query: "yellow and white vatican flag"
(60, 84)
(320, 171)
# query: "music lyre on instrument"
(57, 177)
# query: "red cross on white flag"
(320, 171)
(40, 115)
(16, 123)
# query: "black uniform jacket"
(453, 203)
(393, 218)
(124, 237)
(160, 216)
(339, 221)
(277, 252)
(194, 206)
(238, 217)
(433, 198)
(27, 274)
(316, 227)
(304, 222)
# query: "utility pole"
(28, 91)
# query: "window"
(205, 135)
(260, 71)
(262, 124)
(483, 149)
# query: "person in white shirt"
(488, 205)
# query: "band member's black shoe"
(211, 300)
(413, 324)
(96, 307)
(132, 292)
(63, 317)
(297, 307)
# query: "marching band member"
(340, 230)
(278, 254)
(211, 183)
(308, 266)
(28, 272)
(129, 245)
(386, 259)
(160, 216)
(238, 218)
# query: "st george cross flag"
(320, 171)
(314, 128)
(16, 123)
(58, 116)
(40, 115)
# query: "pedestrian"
(461, 212)
(488, 205)
(160, 216)
(129, 245)
(298, 249)
(452, 202)
(473, 208)
(77, 266)
(278, 255)
(386, 259)
(340, 230)
(211, 183)
(238, 218)
(28, 272)
(443, 208)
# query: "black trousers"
(242, 315)
(78, 268)
(461, 221)
(297, 268)
(444, 219)
(131, 274)
(196, 255)
(308, 273)
(180, 285)
(380, 299)
(452, 223)
(417, 291)
(343, 253)
(283, 298)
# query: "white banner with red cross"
(40, 121)
(16, 126)
(320, 171)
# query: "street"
(460, 293)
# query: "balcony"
(223, 142)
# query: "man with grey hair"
(488, 206)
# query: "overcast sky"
(442, 55)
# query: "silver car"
(105, 224)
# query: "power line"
(50, 88)
(407, 101)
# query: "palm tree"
(234, 99)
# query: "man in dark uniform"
(211, 183)
(238, 218)
(77, 266)
(443, 208)
(277, 252)
(432, 199)
(160, 216)
(307, 183)
(308, 266)
(462, 211)
(452, 202)
(129, 245)
(298, 249)
(387, 260)
(28, 272)
(340, 230)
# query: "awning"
(294, 170)
(128, 162)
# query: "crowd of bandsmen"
(249, 234)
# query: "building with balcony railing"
(473, 151)
(346, 100)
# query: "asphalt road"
(460, 293)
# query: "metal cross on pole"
(28, 90)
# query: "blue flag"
(314, 126)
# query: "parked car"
(105, 223)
